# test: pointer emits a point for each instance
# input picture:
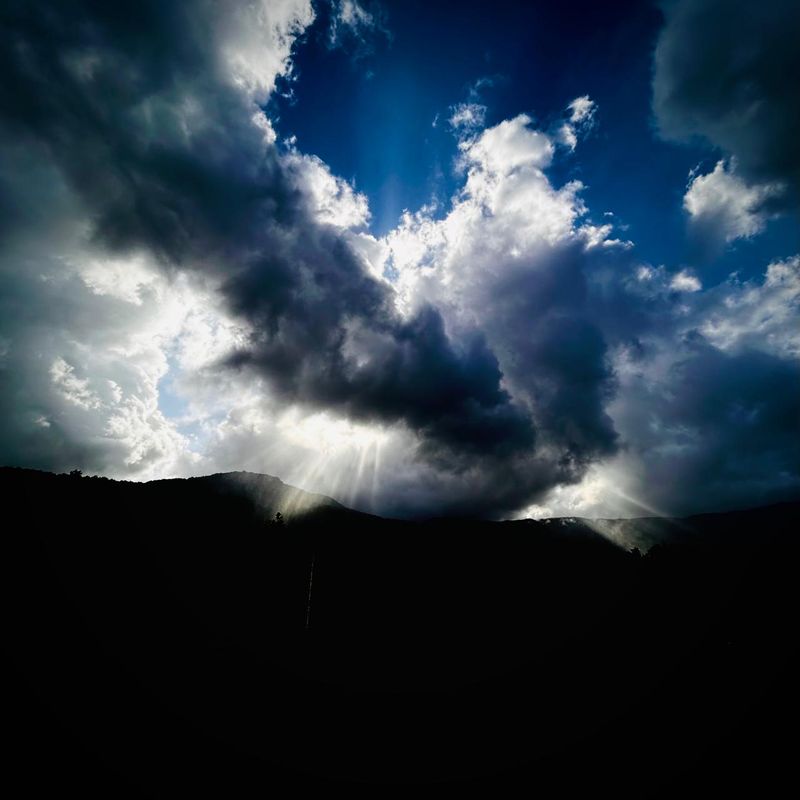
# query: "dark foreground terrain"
(157, 644)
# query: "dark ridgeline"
(158, 643)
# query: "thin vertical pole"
(310, 582)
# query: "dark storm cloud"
(34, 314)
(125, 130)
(728, 71)
(725, 423)
(403, 370)
(558, 354)
(104, 87)
(131, 103)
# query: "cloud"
(255, 40)
(511, 258)
(757, 315)
(706, 409)
(510, 145)
(726, 70)
(684, 281)
(469, 118)
(355, 22)
(180, 292)
(133, 148)
(466, 118)
(721, 420)
(580, 120)
(331, 200)
(80, 373)
(722, 207)
(164, 156)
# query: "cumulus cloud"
(132, 147)
(164, 151)
(181, 293)
(684, 281)
(255, 40)
(511, 258)
(330, 199)
(708, 396)
(757, 315)
(505, 147)
(722, 207)
(726, 71)
(80, 374)
(717, 419)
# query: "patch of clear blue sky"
(173, 402)
(369, 115)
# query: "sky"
(428, 258)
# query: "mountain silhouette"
(160, 642)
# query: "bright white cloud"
(507, 209)
(126, 279)
(761, 315)
(580, 119)
(465, 118)
(508, 146)
(685, 281)
(256, 40)
(724, 207)
(72, 388)
(332, 200)
(581, 109)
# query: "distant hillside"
(268, 494)
(258, 498)
(265, 494)
(711, 530)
